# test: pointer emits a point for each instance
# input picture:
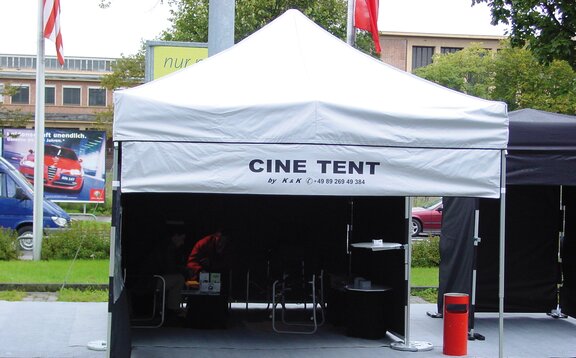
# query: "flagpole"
(38, 211)
(350, 33)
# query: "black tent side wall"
(382, 218)
(568, 254)
(532, 271)
(120, 340)
(456, 247)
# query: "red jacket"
(208, 254)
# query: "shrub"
(8, 244)
(426, 253)
(89, 238)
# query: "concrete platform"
(59, 329)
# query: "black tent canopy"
(541, 148)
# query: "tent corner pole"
(407, 344)
(502, 255)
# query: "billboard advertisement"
(74, 162)
(164, 57)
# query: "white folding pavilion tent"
(294, 104)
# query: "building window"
(97, 97)
(50, 95)
(444, 50)
(421, 56)
(71, 96)
(22, 95)
(1, 92)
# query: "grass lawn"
(424, 276)
(54, 271)
(96, 272)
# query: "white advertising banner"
(303, 169)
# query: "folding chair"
(298, 289)
(147, 300)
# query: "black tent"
(540, 223)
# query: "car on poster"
(74, 162)
(62, 168)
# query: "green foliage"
(512, 75)
(73, 295)
(8, 244)
(426, 252)
(12, 117)
(469, 71)
(89, 238)
(12, 295)
(127, 71)
(429, 294)
(548, 28)
(522, 82)
(190, 19)
(423, 201)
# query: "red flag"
(366, 18)
(52, 26)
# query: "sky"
(90, 31)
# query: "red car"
(62, 168)
(427, 219)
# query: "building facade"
(408, 51)
(73, 94)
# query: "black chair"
(147, 295)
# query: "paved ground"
(67, 330)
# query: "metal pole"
(220, 25)
(471, 334)
(407, 345)
(38, 210)
(502, 255)
(350, 33)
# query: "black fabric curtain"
(456, 247)
(532, 270)
(120, 338)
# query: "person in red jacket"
(209, 254)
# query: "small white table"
(373, 288)
(380, 247)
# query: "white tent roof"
(293, 83)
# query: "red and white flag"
(52, 27)
(366, 18)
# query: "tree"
(512, 75)
(127, 71)
(469, 71)
(190, 18)
(12, 117)
(522, 82)
(547, 27)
